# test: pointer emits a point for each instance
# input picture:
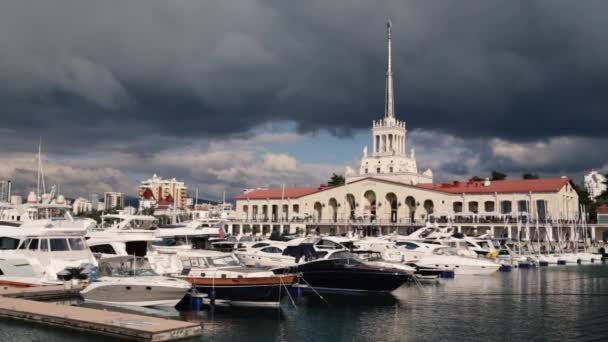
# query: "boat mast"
(40, 177)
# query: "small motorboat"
(127, 280)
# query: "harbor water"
(558, 303)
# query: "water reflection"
(565, 303)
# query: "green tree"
(498, 176)
(95, 215)
(336, 180)
(603, 197)
(477, 178)
(148, 211)
(588, 204)
(530, 176)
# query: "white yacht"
(448, 258)
(509, 254)
(128, 280)
(37, 250)
(265, 253)
(414, 250)
(270, 253)
(123, 234)
(195, 234)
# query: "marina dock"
(14, 305)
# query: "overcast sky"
(233, 94)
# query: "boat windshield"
(369, 256)
(446, 251)
(172, 242)
(125, 267)
(345, 257)
(427, 232)
(483, 244)
(8, 243)
(223, 260)
(141, 224)
(110, 222)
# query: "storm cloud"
(140, 77)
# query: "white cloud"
(279, 162)
(229, 165)
(560, 151)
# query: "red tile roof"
(603, 209)
(148, 194)
(278, 193)
(509, 186)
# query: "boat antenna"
(196, 199)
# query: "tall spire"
(389, 102)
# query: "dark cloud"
(519, 70)
(144, 76)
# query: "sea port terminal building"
(388, 193)
(390, 206)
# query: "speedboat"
(265, 253)
(128, 280)
(271, 253)
(448, 258)
(341, 271)
(415, 249)
(382, 250)
(227, 282)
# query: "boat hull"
(262, 291)
(464, 269)
(134, 295)
(334, 276)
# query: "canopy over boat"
(124, 266)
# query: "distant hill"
(202, 200)
(131, 201)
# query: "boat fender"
(505, 268)
(92, 276)
(448, 274)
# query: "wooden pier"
(116, 324)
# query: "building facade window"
(522, 206)
(488, 207)
(505, 207)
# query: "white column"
(400, 144)
(374, 143)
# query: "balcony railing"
(486, 219)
